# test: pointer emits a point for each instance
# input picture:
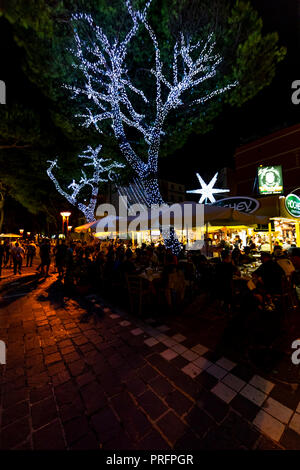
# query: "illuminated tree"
(110, 90)
(100, 166)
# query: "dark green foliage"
(42, 121)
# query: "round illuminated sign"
(270, 179)
(292, 204)
(240, 203)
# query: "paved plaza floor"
(81, 374)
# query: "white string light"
(100, 166)
(207, 191)
(106, 85)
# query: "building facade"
(279, 148)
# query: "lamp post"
(28, 234)
(21, 230)
(65, 220)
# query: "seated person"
(270, 274)
(224, 276)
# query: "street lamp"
(21, 230)
(65, 220)
(28, 234)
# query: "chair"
(138, 291)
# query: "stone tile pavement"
(92, 377)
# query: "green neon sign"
(270, 180)
(292, 204)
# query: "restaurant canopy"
(213, 215)
(9, 235)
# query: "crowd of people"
(88, 265)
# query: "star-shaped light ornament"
(207, 191)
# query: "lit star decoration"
(207, 191)
(100, 166)
(108, 89)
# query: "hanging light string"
(107, 85)
(100, 166)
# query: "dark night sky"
(271, 109)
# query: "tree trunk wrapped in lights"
(109, 90)
(100, 167)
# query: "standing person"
(45, 249)
(7, 249)
(31, 251)
(17, 253)
(60, 258)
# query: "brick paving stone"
(245, 407)
(217, 439)
(216, 371)
(213, 405)
(137, 426)
(179, 338)
(147, 373)
(242, 372)
(191, 370)
(61, 378)
(168, 354)
(153, 441)
(123, 405)
(14, 434)
(199, 421)
(52, 358)
(233, 382)
(87, 442)
(14, 413)
(49, 437)
(206, 380)
(161, 386)
(43, 412)
(188, 442)
(172, 427)
(111, 383)
(65, 393)
(93, 397)
(186, 384)
(295, 423)
(199, 349)
(203, 363)
(75, 429)
(290, 440)
(240, 429)
(179, 348)
(153, 406)
(269, 425)
(84, 379)
(190, 355)
(277, 410)
(121, 442)
(136, 386)
(57, 368)
(179, 362)
(71, 411)
(137, 331)
(267, 444)
(151, 342)
(13, 397)
(77, 368)
(105, 424)
(179, 402)
(253, 394)
(163, 328)
(222, 391)
(226, 363)
(287, 394)
(262, 384)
